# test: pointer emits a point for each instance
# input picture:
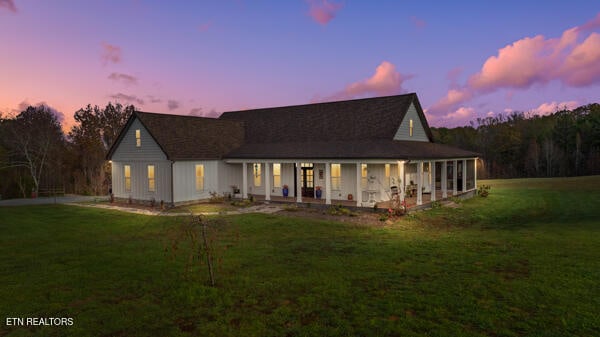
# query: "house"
(359, 152)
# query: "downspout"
(172, 186)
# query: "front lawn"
(524, 261)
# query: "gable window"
(257, 174)
(276, 175)
(127, 176)
(151, 181)
(199, 177)
(138, 138)
(336, 177)
(410, 128)
(363, 175)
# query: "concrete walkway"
(262, 208)
(69, 198)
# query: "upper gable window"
(410, 128)
(138, 138)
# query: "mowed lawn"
(523, 262)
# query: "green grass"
(204, 208)
(523, 262)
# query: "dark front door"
(308, 182)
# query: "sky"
(464, 59)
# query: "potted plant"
(318, 192)
(285, 190)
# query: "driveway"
(69, 198)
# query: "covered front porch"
(363, 183)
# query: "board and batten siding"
(184, 180)
(138, 158)
(403, 132)
(139, 180)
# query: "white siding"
(139, 180)
(403, 132)
(184, 174)
(348, 183)
(229, 175)
(127, 149)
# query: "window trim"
(199, 178)
(151, 178)
(127, 178)
(138, 138)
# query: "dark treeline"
(565, 143)
(37, 157)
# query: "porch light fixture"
(256, 170)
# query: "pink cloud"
(124, 78)
(8, 5)
(572, 59)
(418, 22)
(110, 53)
(128, 99)
(385, 81)
(323, 11)
(552, 107)
(205, 27)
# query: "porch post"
(358, 187)
(267, 181)
(402, 184)
(244, 180)
(444, 175)
(464, 175)
(454, 177)
(298, 183)
(475, 173)
(420, 183)
(432, 171)
(328, 183)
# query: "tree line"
(517, 145)
(36, 156)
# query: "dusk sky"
(464, 59)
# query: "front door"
(308, 182)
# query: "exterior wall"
(418, 130)
(127, 150)
(348, 183)
(411, 175)
(229, 175)
(139, 180)
(184, 179)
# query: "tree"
(33, 140)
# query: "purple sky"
(464, 59)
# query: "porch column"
(475, 173)
(267, 181)
(327, 183)
(432, 171)
(244, 180)
(298, 183)
(444, 174)
(464, 175)
(358, 187)
(420, 183)
(454, 177)
(401, 184)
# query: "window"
(257, 174)
(276, 175)
(410, 128)
(138, 138)
(387, 170)
(127, 175)
(151, 181)
(363, 174)
(199, 177)
(336, 176)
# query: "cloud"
(572, 59)
(172, 105)
(9, 5)
(323, 11)
(131, 99)
(110, 53)
(60, 116)
(196, 112)
(119, 77)
(205, 27)
(552, 107)
(153, 99)
(385, 81)
(420, 24)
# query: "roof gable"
(187, 137)
(417, 133)
(359, 119)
